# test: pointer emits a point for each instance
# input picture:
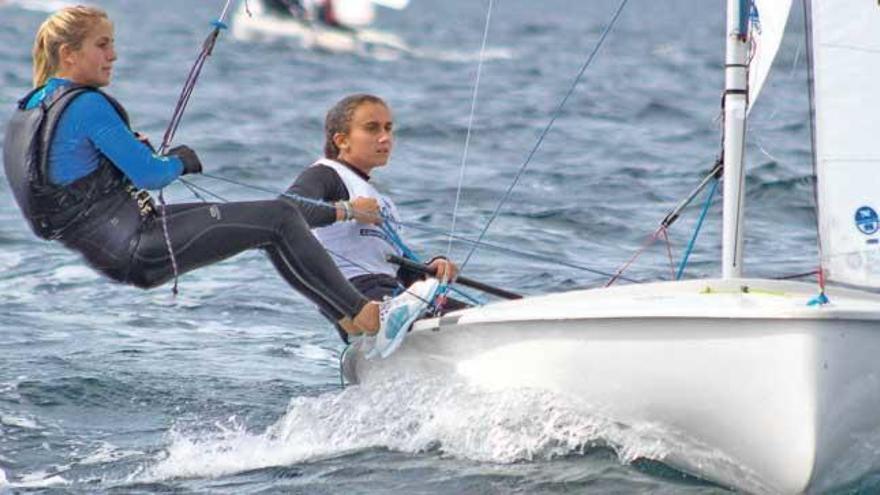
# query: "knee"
(289, 209)
(288, 214)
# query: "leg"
(374, 287)
(378, 286)
(202, 234)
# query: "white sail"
(846, 54)
(767, 20)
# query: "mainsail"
(767, 20)
(846, 55)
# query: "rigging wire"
(811, 81)
(192, 78)
(618, 275)
(667, 222)
(547, 128)
(179, 109)
(467, 139)
(431, 230)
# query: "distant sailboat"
(769, 392)
(331, 25)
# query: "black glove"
(191, 162)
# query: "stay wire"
(431, 230)
(811, 92)
(192, 78)
(647, 243)
(176, 117)
(394, 236)
(192, 186)
(547, 128)
(467, 139)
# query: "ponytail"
(68, 26)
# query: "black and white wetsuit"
(103, 216)
(359, 250)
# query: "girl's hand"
(366, 210)
(444, 269)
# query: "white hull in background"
(781, 396)
(263, 25)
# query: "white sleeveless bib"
(357, 248)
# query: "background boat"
(355, 35)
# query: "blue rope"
(819, 300)
(693, 240)
(474, 300)
(395, 239)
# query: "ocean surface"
(233, 386)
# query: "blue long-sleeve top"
(91, 127)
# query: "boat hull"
(769, 393)
(260, 24)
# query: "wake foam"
(491, 54)
(410, 416)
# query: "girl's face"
(92, 63)
(369, 139)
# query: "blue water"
(232, 386)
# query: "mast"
(735, 106)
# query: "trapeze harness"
(115, 226)
(359, 249)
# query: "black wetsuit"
(119, 232)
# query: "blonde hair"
(339, 119)
(68, 26)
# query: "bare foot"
(365, 321)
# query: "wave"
(414, 416)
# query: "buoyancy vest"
(50, 209)
(357, 248)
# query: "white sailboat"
(780, 395)
(254, 20)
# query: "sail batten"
(846, 55)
